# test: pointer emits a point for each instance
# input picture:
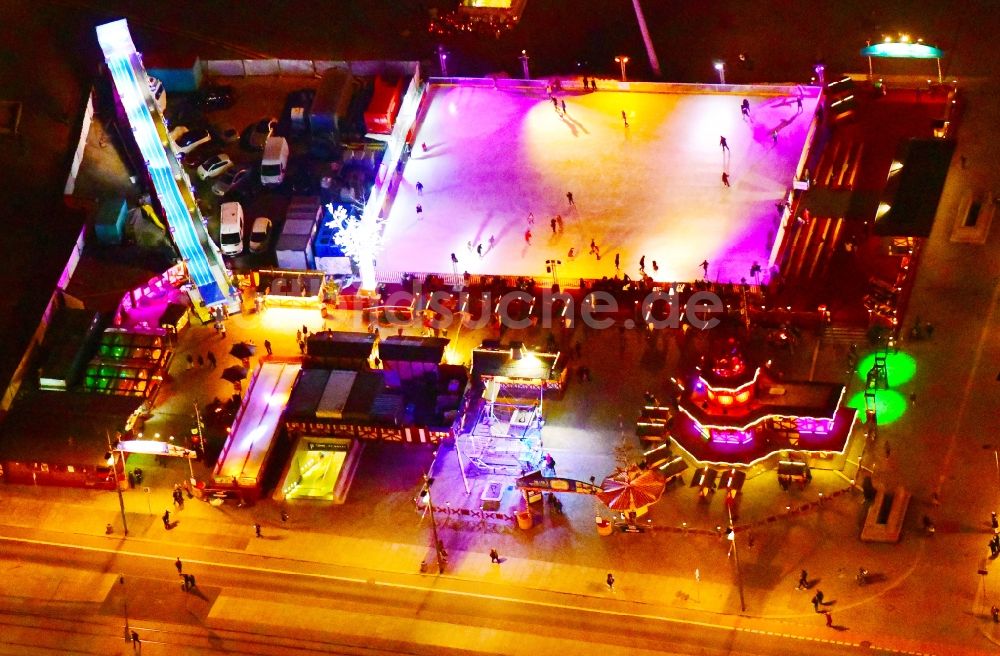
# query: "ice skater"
(479, 249)
(553, 224)
(559, 222)
(563, 103)
(420, 211)
(745, 108)
(725, 178)
(774, 137)
(454, 259)
(724, 144)
(527, 237)
(617, 262)
(593, 246)
(625, 118)
(593, 84)
(656, 267)
(704, 266)
(555, 103)
(569, 197)
(798, 103)
(420, 189)
(493, 242)
(642, 264)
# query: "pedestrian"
(284, 514)
(527, 237)
(656, 267)
(553, 224)
(625, 118)
(256, 530)
(593, 246)
(642, 264)
(166, 519)
(611, 582)
(179, 565)
(454, 259)
(479, 249)
(222, 329)
(817, 600)
(493, 242)
(420, 211)
(803, 581)
(725, 178)
(563, 103)
(617, 261)
(829, 618)
(723, 143)
(267, 347)
(569, 197)
(201, 361)
(136, 643)
(190, 359)
(423, 146)
(420, 189)
(704, 266)
(994, 522)
(212, 363)
(774, 136)
(585, 85)
(494, 556)
(798, 103)
(555, 103)
(995, 613)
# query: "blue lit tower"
(171, 185)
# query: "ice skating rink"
(653, 188)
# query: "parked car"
(185, 140)
(225, 133)
(214, 166)
(260, 234)
(231, 180)
(215, 97)
(255, 135)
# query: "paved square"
(653, 188)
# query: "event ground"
(653, 188)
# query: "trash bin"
(604, 527)
(524, 520)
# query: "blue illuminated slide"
(204, 262)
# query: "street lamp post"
(551, 267)
(443, 60)
(442, 555)
(524, 64)
(621, 60)
(121, 582)
(113, 461)
(736, 559)
(720, 67)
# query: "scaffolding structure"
(507, 436)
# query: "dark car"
(215, 97)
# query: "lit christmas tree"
(359, 238)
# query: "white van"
(231, 228)
(159, 93)
(272, 166)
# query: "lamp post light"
(621, 60)
(720, 67)
(551, 267)
(113, 463)
(121, 582)
(524, 64)
(442, 555)
(443, 60)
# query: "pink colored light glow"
(740, 437)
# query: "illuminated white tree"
(360, 238)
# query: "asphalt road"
(439, 613)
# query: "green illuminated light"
(889, 405)
(900, 368)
